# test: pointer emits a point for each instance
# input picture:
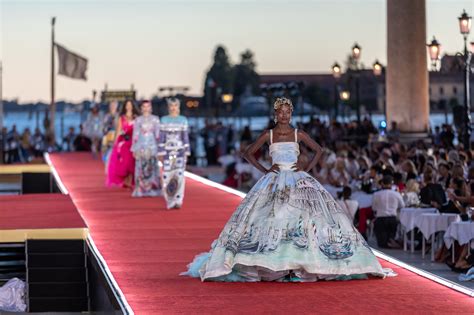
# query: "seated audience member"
(352, 165)
(68, 140)
(347, 204)
(364, 165)
(398, 181)
(432, 193)
(470, 179)
(409, 168)
(338, 176)
(81, 142)
(444, 175)
(458, 171)
(458, 198)
(372, 178)
(385, 204)
(411, 197)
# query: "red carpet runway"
(39, 211)
(146, 247)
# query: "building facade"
(446, 87)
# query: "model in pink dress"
(121, 165)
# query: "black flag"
(70, 64)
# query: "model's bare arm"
(118, 129)
(249, 153)
(311, 144)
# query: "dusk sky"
(159, 43)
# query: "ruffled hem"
(252, 273)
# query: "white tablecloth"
(463, 232)
(408, 216)
(430, 223)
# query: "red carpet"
(39, 211)
(147, 247)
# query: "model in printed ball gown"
(121, 166)
(146, 131)
(288, 227)
(110, 122)
(93, 128)
(173, 150)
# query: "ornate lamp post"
(465, 28)
(344, 96)
(434, 49)
(336, 72)
(377, 68)
(356, 51)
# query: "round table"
(430, 223)
(407, 220)
(463, 232)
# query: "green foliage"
(220, 73)
(245, 76)
(222, 77)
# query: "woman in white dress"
(288, 227)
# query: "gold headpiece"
(280, 101)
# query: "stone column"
(407, 74)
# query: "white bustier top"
(284, 154)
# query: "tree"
(245, 76)
(317, 97)
(218, 78)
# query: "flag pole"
(53, 79)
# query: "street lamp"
(434, 49)
(345, 95)
(464, 24)
(227, 98)
(336, 73)
(378, 69)
(465, 28)
(356, 51)
(336, 70)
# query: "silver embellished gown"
(287, 228)
(146, 133)
(174, 147)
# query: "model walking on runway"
(93, 128)
(146, 132)
(173, 151)
(121, 166)
(288, 227)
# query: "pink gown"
(121, 163)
